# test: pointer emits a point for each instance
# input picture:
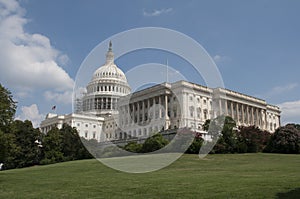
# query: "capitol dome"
(107, 85)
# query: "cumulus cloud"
(290, 112)
(220, 58)
(285, 88)
(31, 113)
(279, 90)
(28, 61)
(155, 13)
(59, 97)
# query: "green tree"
(154, 143)
(251, 139)
(206, 125)
(286, 139)
(72, 147)
(3, 147)
(133, 147)
(224, 128)
(7, 108)
(197, 143)
(52, 147)
(25, 137)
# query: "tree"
(72, 147)
(25, 137)
(63, 145)
(3, 147)
(197, 143)
(223, 127)
(206, 125)
(251, 139)
(154, 143)
(52, 147)
(7, 108)
(133, 147)
(20, 148)
(286, 139)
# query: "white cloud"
(64, 97)
(290, 112)
(156, 13)
(28, 61)
(279, 90)
(220, 58)
(31, 113)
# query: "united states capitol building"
(110, 111)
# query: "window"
(198, 112)
(94, 126)
(192, 111)
(86, 125)
(94, 135)
(204, 101)
(191, 98)
(205, 114)
(78, 124)
(85, 134)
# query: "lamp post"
(39, 146)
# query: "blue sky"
(255, 45)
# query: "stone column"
(243, 116)
(138, 112)
(232, 114)
(143, 111)
(148, 108)
(220, 106)
(248, 116)
(226, 107)
(252, 116)
(160, 104)
(237, 113)
(133, 113)
(166, 107)
(257, 119)
(166, 113)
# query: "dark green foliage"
(154, 143)
(21, 149)
(7, 108)
(3, 146)
(251, 139)
(223, 126)
(206, 125)
(286, 139)
(133, 147)
(197, 143)
(72, 147)
(63, 145)
(52, 147)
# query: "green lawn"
(216, 176)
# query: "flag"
(53, 107)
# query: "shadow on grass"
(295, 193)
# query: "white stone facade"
(185, 104)
(108, 111)
(88, 126)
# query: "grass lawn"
(216, 176)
